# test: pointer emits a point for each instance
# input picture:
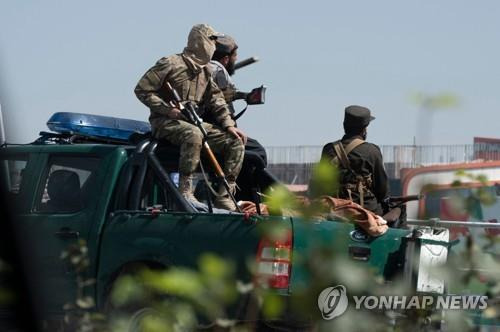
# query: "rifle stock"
(213, 160)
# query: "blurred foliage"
(179, 297)
(473, 267)
(278, 199)
(472, 203)
(80, 316)
(435, 102)
(324, 180)
(206, 296)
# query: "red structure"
(486, 148)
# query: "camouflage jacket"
(193, 83)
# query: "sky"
(316, 58)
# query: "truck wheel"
(132, 313)
(135, 323)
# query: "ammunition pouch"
(358, 184)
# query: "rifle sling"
(341, 153)
(237, 116)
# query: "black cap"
(357, 117)
(225, 45)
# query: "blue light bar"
(90, 125)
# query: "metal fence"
(293, 164)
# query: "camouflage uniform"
(189, 75)
(189, 138)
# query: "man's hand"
(174, 113)
(249, 207)
(238, 133)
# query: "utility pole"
(2, 128)
(4, 166)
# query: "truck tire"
(134, 312)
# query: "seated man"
(189, 76)
(63, 189)
(222, 67)
(362, 175)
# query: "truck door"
(62, 212)
(157, 230)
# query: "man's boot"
(223, 200)
(186, 188)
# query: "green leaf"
(125, 290)
(213, 266)
(278, 199)
(435, 102)
(175, 281)
(483, 179)
(273, 305)
(156, 323)
(325, 179)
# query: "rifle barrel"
(450, 223)
(246, 62)
(405, 198)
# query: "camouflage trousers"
(189, 138)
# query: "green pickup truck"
(120, 198)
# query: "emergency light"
(90, 125)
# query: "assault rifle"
(189, 112)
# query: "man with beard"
(189, 75)
(361, 168)
(222, 67)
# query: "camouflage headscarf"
(200, 47)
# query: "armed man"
(361, 168)
(189, 75)
(222, 67)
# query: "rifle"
(404, 199)
(395, 208)
(436, 222)
(246, 62)
(189, 112)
